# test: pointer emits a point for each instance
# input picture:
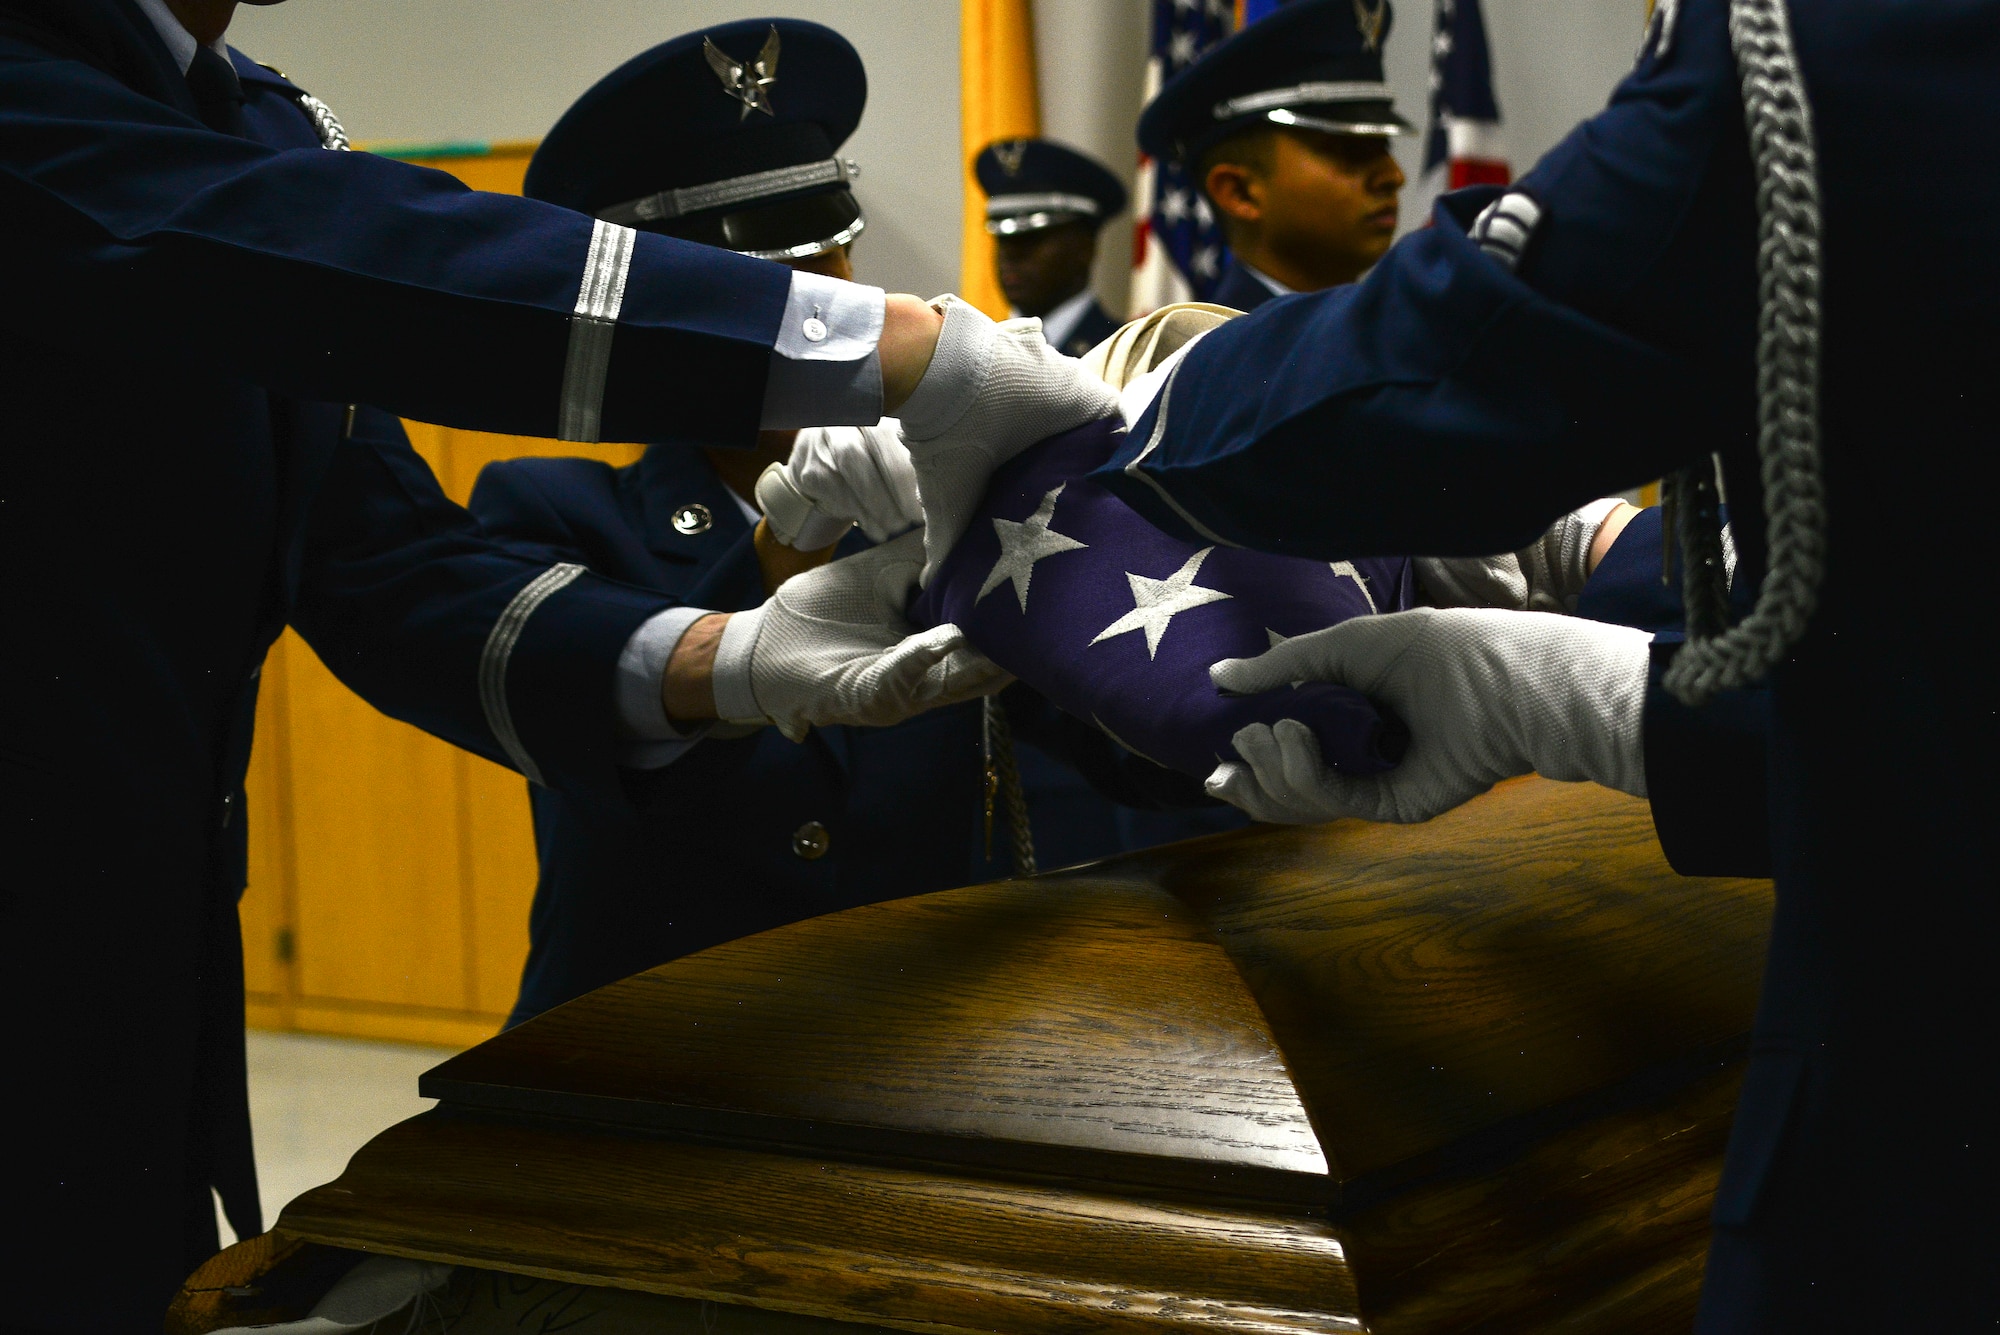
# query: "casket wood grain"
(1475, 1074)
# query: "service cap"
(1031, 184)
(1316, 65)
(727, 136)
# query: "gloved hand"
(831, 646)
(991, 391)
(1486, 694)
(1548, 575)
(839, 476)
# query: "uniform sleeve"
(1457, 400)
(348, 277)
(511, 505)
(1706, 776)
(508, 653)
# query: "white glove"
(1548, 575)
(990, 391)
(831, 646)
(1486, 694)
(839, 476)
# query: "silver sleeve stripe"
(1318, 91)
(500, 642)
(601, 296)
(1153, 443)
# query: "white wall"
(1090, 73)
(505, 69)
(1554, 63)
(430, 70)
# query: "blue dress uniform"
(1483, 379)
(199, 292)
(1033, 184)
(729, 135)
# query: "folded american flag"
(1073, 592)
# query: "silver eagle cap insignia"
(749, 84)
(1370, 22)
(1010, 153)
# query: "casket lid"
(1278, 1016)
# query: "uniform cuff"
(826, 363)
(735, 701)
(641, 666)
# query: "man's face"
(1326, 205)
(1039, 271)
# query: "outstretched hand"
(991, 390)
(831, 647)
(1486, 695)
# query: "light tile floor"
(315, 1100)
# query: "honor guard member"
(1045, 205)
(218, 317)
(721, 831)
(1286, 129)
(1708, 265)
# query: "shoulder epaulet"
(332, 134)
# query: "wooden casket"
(1473, 1075)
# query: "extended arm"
(1465, 394)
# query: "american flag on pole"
(1178, 252)
(1464, 139)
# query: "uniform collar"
(1277, 288)
(1061, 322)
(180, 42)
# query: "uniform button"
(814, 329)
(691, 520)
(811, 840)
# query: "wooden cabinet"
(390, 873)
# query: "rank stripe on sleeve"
(598, 301)
(493, 660)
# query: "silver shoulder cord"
(1719, 657)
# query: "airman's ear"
(1236, 190)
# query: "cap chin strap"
(733, 192)
(1779, 119)
(807, 249)
(1288, 117)
(1351, 90)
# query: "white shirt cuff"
(652, 739)
(826, 366)
(735, 700)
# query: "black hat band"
(731, 193)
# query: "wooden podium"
(1475, 1074)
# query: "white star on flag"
(1347, 568)
(1158, 601)
(1023, 544)
(1173, 205)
